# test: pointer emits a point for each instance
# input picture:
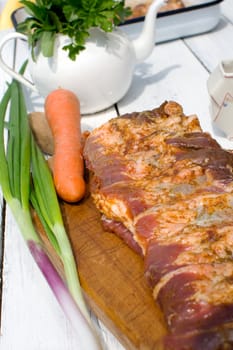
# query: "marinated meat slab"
(166, 188)
(140, 7)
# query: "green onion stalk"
(26, 183)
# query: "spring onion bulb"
(70, 307)
(26, 182)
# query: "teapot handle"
(8, 69)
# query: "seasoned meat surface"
(166, 188)
(140, 7)
(129, 153)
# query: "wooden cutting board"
(112, 278)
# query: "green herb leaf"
(69, 17)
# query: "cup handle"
(226, 67)
(8, 69)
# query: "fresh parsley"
(73, 18)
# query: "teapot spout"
(144, 44)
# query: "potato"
(41, 132)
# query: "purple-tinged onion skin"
(88, 338)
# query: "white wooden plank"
(226, 8)
(3, 78)
(215, 46)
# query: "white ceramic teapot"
(101, 74)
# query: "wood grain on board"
(112, 278)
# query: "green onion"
(26, 181)
(45, 194)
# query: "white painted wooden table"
(31, 318)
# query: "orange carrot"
(62, 110)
